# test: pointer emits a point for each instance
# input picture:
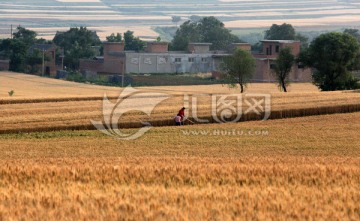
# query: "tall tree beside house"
(114, 38)
(188, 32)
(283, 66)
(77, 43)
(214, 31)
(332, 56)
(25, 35)
(133, 43)
(206, 30)
(239, 68)
(17, 50)
(34, 61)
(280, 32)
(18, 55)
(285, 32)
(5, 48)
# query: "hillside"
(106, 16)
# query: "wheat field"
(301, 169)
(295, 168)
(41, 104)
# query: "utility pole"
(62, 59)
(11, 32)
(123, 73)
(43, 61)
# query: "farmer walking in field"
(180, 116)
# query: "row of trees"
(74, 44)
(16, 49)
(78, 43)
(332, 56)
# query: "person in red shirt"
(181, 114)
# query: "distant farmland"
(107, 16)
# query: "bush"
(346, 82)
(11, 93)
(76, 76)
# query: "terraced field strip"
(76, 114)
(42, 104)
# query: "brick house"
(265, 60)
(49, 51)
(197, 59)
(111, 63)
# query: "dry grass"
(305, 168)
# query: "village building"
(270, 52)
(197, 59)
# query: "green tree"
(188, 32)
(114, 38)
(17, 50)
(18, 55)
(5, 48)
(133, 43)
(33, 61)
(214, 31)
(283, 66)
(286, 32)
(206, 30)
(332, 55)
(77, 43)
(355, 33)
(25, 35)
(239, 68)
(280, 32)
